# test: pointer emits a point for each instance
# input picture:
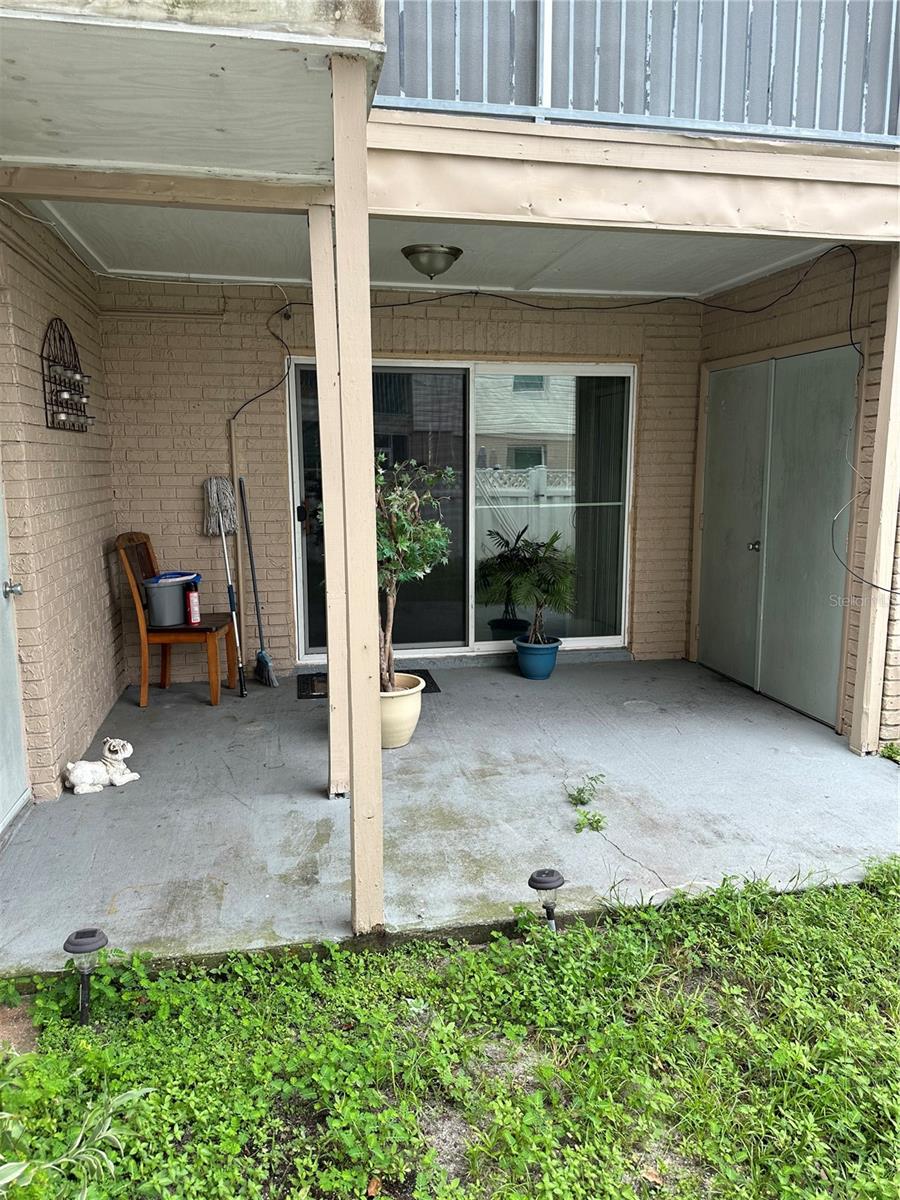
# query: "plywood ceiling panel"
(134, 239)
(596, 262)
(202, 244)
(93, 95)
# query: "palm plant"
(500, 567)
(410, 544)
(531, 574)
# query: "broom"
(220, 517)
(265, 672)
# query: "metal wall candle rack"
(65, 384)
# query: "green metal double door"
(780, 439)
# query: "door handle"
(754, 545)
(11, 589)
(308, 514)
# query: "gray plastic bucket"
(165, 599)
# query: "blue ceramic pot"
(537, 661)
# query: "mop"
(218, 500)
(220, 517)
(265, 672)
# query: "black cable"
(866, 489)
(602, 308)
(278, 338)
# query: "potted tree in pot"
(541, 576)
(411, 541)
(500, 566)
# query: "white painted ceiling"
(179, 243)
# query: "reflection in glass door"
(551, 454)
(420, 413)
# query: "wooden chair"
(139, 562)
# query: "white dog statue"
(110, 771)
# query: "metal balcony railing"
(824, 69)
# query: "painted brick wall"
(174, 378)
(820, 308)
(179, 359)
(59, 506)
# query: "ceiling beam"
(456, 169)
(468, 170)
(121, 187)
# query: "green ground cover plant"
(743, 1044)
(595, 821)
(581, 795)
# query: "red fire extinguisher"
(192, 603)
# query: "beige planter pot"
(400, 710)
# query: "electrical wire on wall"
(278, 338)
(862, 489)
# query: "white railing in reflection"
(536, 481)
(509, 499)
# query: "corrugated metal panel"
(821, 68)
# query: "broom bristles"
(265, 672)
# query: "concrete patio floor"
(228, 840)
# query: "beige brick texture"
(173, 361)
(180, 359)
(59, 506)
(819, 308)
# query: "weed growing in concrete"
(891, 751)
(740, 1045)
(580, 795)
(593, 820)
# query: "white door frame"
(473, 368)
(584, 370)
(16, 706)
(296, 446)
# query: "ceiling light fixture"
(430, 258)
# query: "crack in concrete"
(636, 861)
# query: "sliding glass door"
(543, 450)
(420, 413)
(551, 456)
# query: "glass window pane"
(419, 414)
(554, 458)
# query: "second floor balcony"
(805, 69)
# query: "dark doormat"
(314, 686)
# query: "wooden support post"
(881, 534)
(321, 253)
(351, 241)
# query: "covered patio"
(264, 322)
(229, 840)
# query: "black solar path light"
(547, 881)
(85, 945)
